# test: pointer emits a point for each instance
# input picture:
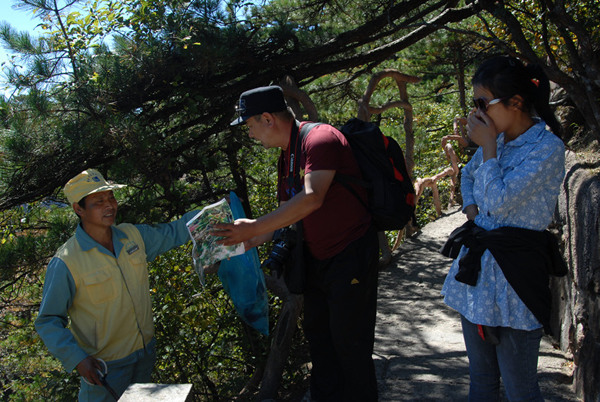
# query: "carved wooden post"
(295, 97)
(364, 113)
(452, 171)
(282, 335)
(365, 110)
(269, 378)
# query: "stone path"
(419, 350)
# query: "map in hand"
(208, 251)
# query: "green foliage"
(200, 338)
(29, 236)
(152, 110)
(30, 374)
(28, 239)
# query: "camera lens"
(280, 251)
(284, 241)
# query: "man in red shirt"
(340, 299)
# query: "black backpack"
(384, 174)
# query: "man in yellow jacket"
(99, 278)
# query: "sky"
(18, 19)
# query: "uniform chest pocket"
(100, 286)
(137, 271)
(138, 260)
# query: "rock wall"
(576, 297)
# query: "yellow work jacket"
(111, 313)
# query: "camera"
(284, 241)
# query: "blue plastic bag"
(244, 282)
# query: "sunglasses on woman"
(482, 104)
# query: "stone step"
(157, 393)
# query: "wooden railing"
(451, 171)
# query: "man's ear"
(268, 117)
(77, 208)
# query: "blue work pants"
(120, 375)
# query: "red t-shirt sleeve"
(342, 218)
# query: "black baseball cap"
(258, 101)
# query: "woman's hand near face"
(482, 131)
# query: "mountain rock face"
(576, 297)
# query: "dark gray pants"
(340, 306)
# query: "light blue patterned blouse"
(519, 188)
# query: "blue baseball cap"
(258, 101)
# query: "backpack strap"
(345, 181)
(297, 138)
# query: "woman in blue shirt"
(513, 180)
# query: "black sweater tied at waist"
(525, 256)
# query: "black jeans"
(340, 307)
